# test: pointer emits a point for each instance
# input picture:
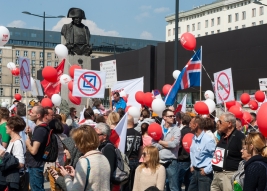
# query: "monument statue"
(77, 35)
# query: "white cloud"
(146, 35)
(94, 29)
(161, 10)
(142, 16)
(17, 23)
(145, 7)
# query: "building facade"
(29, 43)
(220, 16)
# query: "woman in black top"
(256, 166)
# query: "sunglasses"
(219, 121)
(171, 116)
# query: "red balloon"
(46, 102)
(72, 68)
(229, 104)
(15, 72)
(70, 85)
(188, 41)
(245, 98)
(187, 141)
(75, 100)
(139, 96)
(17, 97)
(128, 106)
(154, 130)
(246, 117)
(237, 111)
(261, 119)
(201, 108)
(49, 74)
(238, 104)
(259, 96)
(166, 88)
(253, 105)
(125, 98)
(148, 99)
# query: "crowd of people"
(223, 152)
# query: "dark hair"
(199, 120)
(56, 125)
(186, 119)
(40, 110)
(57, 116)
(145, 113)
(121, 112)
(178, 115)
(100, 119)
(21, 109)
(46, 110)
(164, 113)
(88, 113)
(144, 127)
(15, 101)
(209, 124)
(4, 113)
(117, 94)
(97, 103)
(16, 123)
(253, 114)
(72, 109)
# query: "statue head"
(76, 13)
(77, 20)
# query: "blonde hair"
(85, 138)
(64, 118)
(113, 118)
(259, 143)
(153, 162)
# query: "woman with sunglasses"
(150, 172)
(256, 166)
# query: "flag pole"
(26, 108)
(200, 74)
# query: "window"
(0, 69)
(0, 60)
(56, 64)
(206, 33)
(236, 17)
(218, 20)
(33, 71)
(261, 22)
(236, 27)
(254, 12)
(16, 90)
(41, 54)
(1, 91)
(25, 53)
(56, 56)
(16, 80)
(206, 24)
(243, 15)
(173, 31)
(243, 26)
(212, 22)
(33, 35)
(0, 79)
(198, 26)
(17, 52)
(229, 29)
(41, 64)
(17, 61)
(193, 27)
(48, 63)
(188, 28)
(229, 18)
(0, 51)
(218, 31)
(169, 32)
(33, 54)
(179, 30)
(212, 32)
(261, 10)
(33, 63)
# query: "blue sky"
(142, 19)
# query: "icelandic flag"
(190, 76)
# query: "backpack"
(51, 147)
(122, 172)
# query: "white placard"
(25, 74)
(263, 84)
(110, 67)
(89, 83)
(218, 157)
(37, 89)
(223, 86)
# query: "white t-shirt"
(18, 150)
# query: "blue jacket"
(120, 104)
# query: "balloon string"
(68, 62)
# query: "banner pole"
(87, 102)
(225, 108)
(200, 75)
(110, 101)
(26, 108)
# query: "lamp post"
(44, 17)
(176, 34)
(259, 3)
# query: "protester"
(100, 119)
(86, 140)
(49, 114)
(4, 137)
(98, 106)
(113, 119)
(184, 173)
(256, 166)
(118, 102)
(178, 120)
(231, 141)
(201, 153)
(17, 149)
(252, 126)
(239, 125)
(35, 149)
(121, 112)
(133, 150)
(239, 176)
(144, 118)
(72, 119)
(168, 149)
(150, 172)
(208, 127)
(66, 129)
(89, 117)
(147, 140)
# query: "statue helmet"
(76, 12)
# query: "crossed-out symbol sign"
(25, 77)
(89, 83)
(224, 87)
(217, 157)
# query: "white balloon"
(211, 105)
(61, 51)
(158, 105)
(3, 104)
(65, 79)
(11, 65)
(123, 94)
(134, 112)
(209, 95)
(56, 99)
(4, 35)
(176, 74)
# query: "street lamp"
(44, 17)
(259, 3)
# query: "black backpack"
(51, 147)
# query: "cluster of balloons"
(206, 107)
(12, 67)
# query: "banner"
(223, 86)
(24, 74)
(130, 87)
